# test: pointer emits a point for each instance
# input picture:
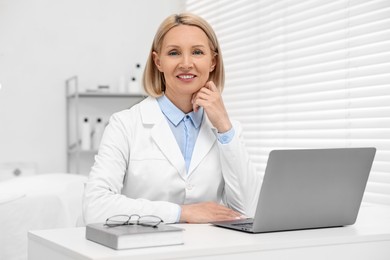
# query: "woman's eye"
(198, 52)
(173, 53)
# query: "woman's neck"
(181, 102)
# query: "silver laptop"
(304, 189)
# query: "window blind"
(308, 74)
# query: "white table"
(369, 238)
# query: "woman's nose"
(186, 62)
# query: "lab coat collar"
(150, 111)
(162, 135)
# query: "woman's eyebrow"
(172, 46)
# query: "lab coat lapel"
(162, 135)
(204, 142)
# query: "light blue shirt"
(185, 128)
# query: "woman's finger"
(211, 86)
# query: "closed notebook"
(134, 236)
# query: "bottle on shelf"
(85, 135)
(97, 134)
(135, 84)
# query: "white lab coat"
(139, 169)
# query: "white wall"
(43, 42)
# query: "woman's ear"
(213, 63)
(156, 60)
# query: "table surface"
(373, 224)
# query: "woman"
(176, 154)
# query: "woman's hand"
(209, 97)
(205, 212)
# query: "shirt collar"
(175, 115)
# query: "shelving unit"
(92, 105)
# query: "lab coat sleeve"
(102, 195)
(242, 181)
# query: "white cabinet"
(96, 108)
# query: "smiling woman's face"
(186, 61)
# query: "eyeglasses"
(122, 220)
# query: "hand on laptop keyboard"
(206, 212)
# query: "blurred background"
(42, 43)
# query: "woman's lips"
(186, 77)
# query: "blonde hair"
(153, 80)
